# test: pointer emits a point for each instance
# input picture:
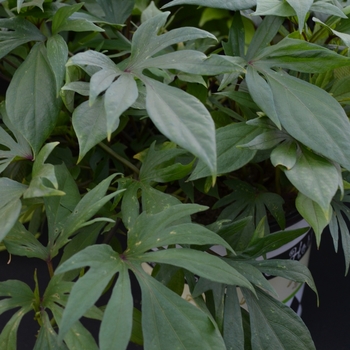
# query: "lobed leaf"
(104, 263)
(164, 312)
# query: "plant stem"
(120, 158)
(50, 268)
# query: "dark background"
(329, 323)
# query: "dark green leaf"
(8, 336)
(103, 263)
(117, 11)
(78, 337)
(200, 263)
(116, 324)
(301, 56)
(165, 313)
(264, 34)
(20, 241)
(31, 101)
(48, 338)
(21, 31)
(183, 119)
(228, 4)
(290, 269)
(272, 241)
(57, 54)
(274, 325)
(233, 328)
(90, 125)
(229, 156)
(303, 116)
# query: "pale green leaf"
(100, 82)
(21, 31)
(301, 8)
(229, 156)
(31, 103)
(103, 263)
(116, 324)
(327, 8)
(90, 125)
(165, 313)
(195, 62)
(94, 59)
(343, 36)
(318, 218)
(223, 4)
(315, 177)
(274, 8)
(44, 181)
(284, 155)
(150, 11)
(275, 325)
(307, 111)
(119, 97)
(183, 119)
(146, 41)
(261, 94)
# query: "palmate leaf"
(165, 313)
(82, 212)
(223, 4)
(117, 11)
(31, 100)
(16, 31)
(104, 263)
(48, 338)
(14, 294)
(78, 337)
(146, 41)
(275, 325)
(155, 230)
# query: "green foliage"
(131, 137)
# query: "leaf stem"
(120, 158)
